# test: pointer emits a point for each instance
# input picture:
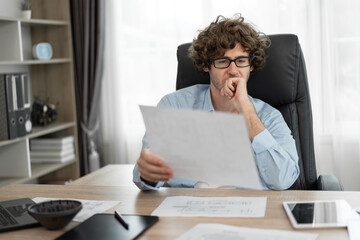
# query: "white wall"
(10, 8)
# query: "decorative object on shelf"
(42, 114)
(26, 9)
(42, 51)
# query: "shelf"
(40, 169)
(33, 22)
(37, 170)
(50, 80)
(51, 128)
(36, 62)
(40, 131)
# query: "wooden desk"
(135, 201)
(110, 175)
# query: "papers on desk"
(354, 229)
(211, 147)
(89, 207)
(184, 206)
(221, 231)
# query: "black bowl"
(55, 214)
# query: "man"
(228, 50)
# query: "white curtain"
(140, 58)
(337, 98)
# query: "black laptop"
(14, 215)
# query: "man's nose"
(232, 69)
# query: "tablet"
(319, 214)
(107, 226)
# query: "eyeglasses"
(222, 63)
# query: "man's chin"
(216, 87)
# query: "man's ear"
(251, 68)
(206, 69)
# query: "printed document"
(89, 207)
(212, 147)
(222, 231)
(354, 229)
(184, 206)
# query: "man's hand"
(235, 88)
(152, 168)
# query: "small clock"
(42, 51)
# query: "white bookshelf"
(52, 80)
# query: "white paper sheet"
(227, 232)
(184, 206)
(354, 229)
(89, 207)
(211, 147)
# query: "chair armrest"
(329, 182)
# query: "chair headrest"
(282, 67)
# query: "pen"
(121, 219)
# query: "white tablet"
(319, 214)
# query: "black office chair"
(283, 84)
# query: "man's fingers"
(231, 84)
(229, 88)
(234, 87)
(152, 168)
(150, 158)
(155, 175)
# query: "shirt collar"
(208, 106)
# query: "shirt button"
(263, 169)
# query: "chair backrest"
(283, 84)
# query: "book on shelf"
(56, 143)
(54, 153)
(50, 147)
(56, 159)
(52, 150)
(54, 140)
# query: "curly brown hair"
(223, 34)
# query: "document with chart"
(222, 231)
(187, 206)
(212, 147)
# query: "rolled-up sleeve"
(275, 151)
(143, 185)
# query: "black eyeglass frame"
(232, 60)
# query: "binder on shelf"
(25, 79)
(20, 113)
(11, 106)
(14, 105)
(24, 125)
(19, 90)
(4, 135)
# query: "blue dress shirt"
(274, 148)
